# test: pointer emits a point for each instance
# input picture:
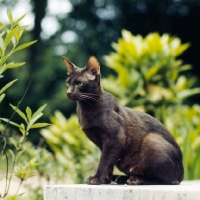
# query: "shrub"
(9, 44)
(184, 122)
(148, 72)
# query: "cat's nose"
(69, 91)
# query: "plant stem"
(13, 165)
(7, 165)
(19, 187)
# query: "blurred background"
(109, 29)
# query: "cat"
(135, 142)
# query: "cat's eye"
(80, 84)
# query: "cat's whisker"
(89, 97)
(81, 98)
(91, 94)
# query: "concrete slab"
(188, 190)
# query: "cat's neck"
(94, 101)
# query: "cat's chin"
(73, 98)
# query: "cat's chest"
(89, 119)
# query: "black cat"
(138, 144)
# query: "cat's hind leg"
(159, 160)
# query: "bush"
(9, 44)
(148, 72)
(184, 122)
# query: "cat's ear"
(92, 65)
(70, 66)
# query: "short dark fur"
(135, 142)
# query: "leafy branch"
(11, 37)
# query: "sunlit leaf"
(39, 110)
(9, 36)
(9, 14)
(1, 45)
(18, 20)
(22, 46)
(39, 125)
(189, 92)
(29, 113)
(12, 154)
(13, 141)
(10, 122)
(19, 112)
(1, 53)
(2, 96)
(14, 65)
(33, 120)
(3, 59)
(19, 154)
(7, 86)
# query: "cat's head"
(83, 84)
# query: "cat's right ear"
(70, 66)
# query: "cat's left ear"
(92, 65)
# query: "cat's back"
(142, 124)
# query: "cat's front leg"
(92, 180)
(109, 157)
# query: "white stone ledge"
(188, 190)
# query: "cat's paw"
(135, 180)
(92, 181)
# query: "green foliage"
(9, 44)
(72, 148)
(148, 72)
(184, 122)
(149, 77)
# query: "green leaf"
(18, 20)
(12, 154)
(9, 36)
(14, 65)
(9, 14)
(3, 59)
(152, 72)
(39, 110)
(3, 26)
(14, 41)
(33, 120)
(19, 154)
(10, 122)
(19, 32)
(2, 43)
(1, 53)
(22, 46)
(2, 97)
(28, 113)
(7, 86)
(39, 125)
(2, 69)
(19, 112)
(23, 132)
(13, 141)
(22, 28)
(184, 68)
(1, 35)
(189, 92)
(22, 129)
